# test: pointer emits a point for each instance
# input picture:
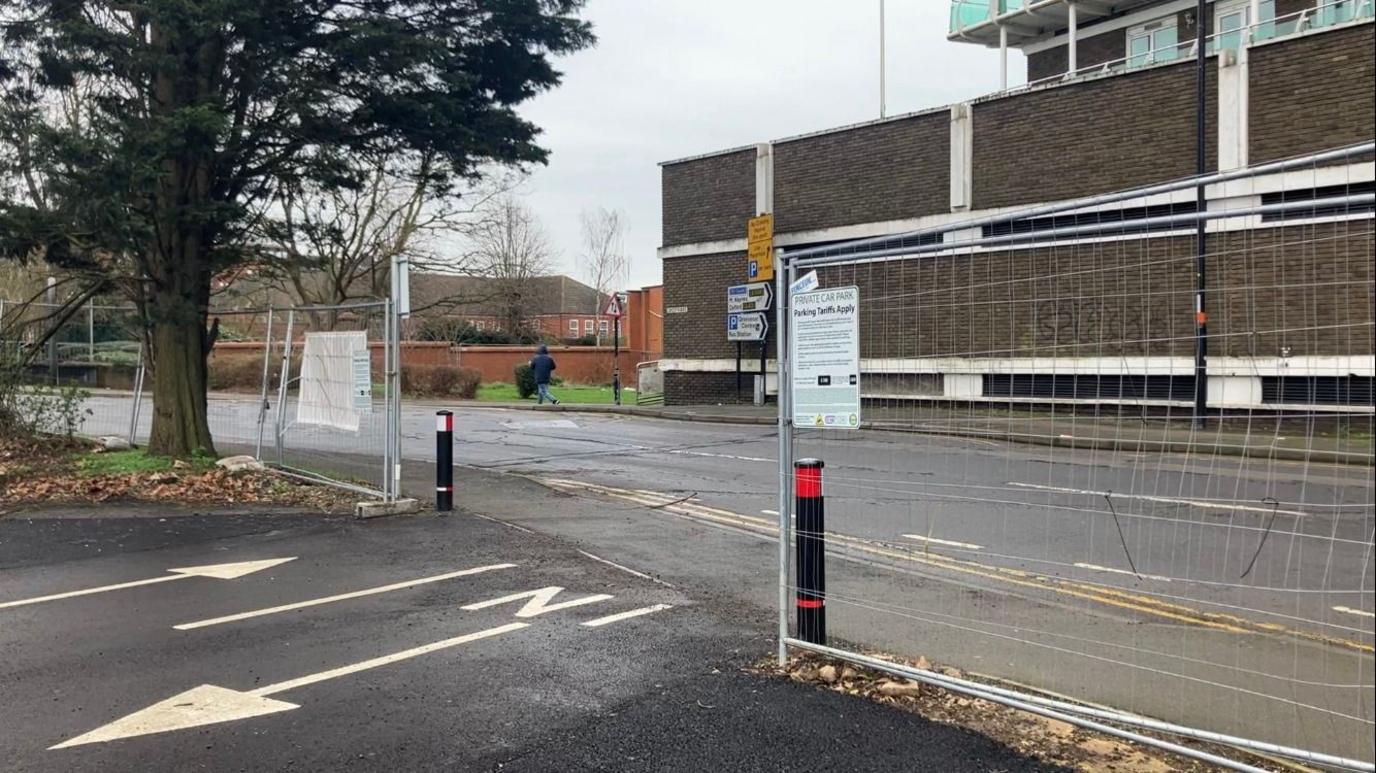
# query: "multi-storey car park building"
(1109, 105)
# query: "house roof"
(456, 295)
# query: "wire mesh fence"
(1038, 499)
(320, 413)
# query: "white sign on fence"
(363, 380)
(825, 350)
(327, 387)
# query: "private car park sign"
(825, 352)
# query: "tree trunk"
(181, 424)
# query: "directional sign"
(759, 238)
(756, 296)
(747, 326)
(217, 571)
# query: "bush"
(525, 380)
(440, 381)
(241, 374)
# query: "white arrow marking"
(209, 705)
(218, 571)
(619, 616)
(338, 597)
(539, 601)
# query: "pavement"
(1227, 592)
(153, 638)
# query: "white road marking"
(625, 569)
(1169, 500)
(339, 597)
(952, 543)
(217, 571)
(504, 523)
(209, 705)
(1351, 611)
(538, 603)
(1097, 568)
(619, 616)
(774, 513)
(683, 452)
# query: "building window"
(573, 328)
(602, 327)
(1154, 42)
(1232, 19)
(479, 325)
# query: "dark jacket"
(543, 365)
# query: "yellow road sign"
(759, 233)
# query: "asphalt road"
(1228, 593)
(230, 642)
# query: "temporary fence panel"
(329, 404)
(1037, 503)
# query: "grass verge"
(137, 460)
(566, 393)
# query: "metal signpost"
(747, 320)
(614, 311)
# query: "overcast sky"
(673, 78)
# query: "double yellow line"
(1136, 602)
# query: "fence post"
(444, 461)
(263, 393)
(281, 423)
(782, 279)
(811, 531)
(138, 394)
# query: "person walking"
(543, 366)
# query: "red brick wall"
(412, 352)
(576, 364)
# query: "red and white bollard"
(811, 551)
(444, 461)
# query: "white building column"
(1233, 108)
(1072, 43)
(1003, 57)
(962, 157)
(764, 178)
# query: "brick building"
(559, 307)
(1109, 106)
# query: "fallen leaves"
(1050, 740)
(42, 472)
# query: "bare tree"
(603, 260)
(512, 249)
(330, 246)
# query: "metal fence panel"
(1035, 500)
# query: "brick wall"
(885, 171)
(708, 199)
(577, 364)
(1043, 145)
(1312, 93)
(699, 283)
(1108, 47)
(686, 388)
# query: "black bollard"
(444, 461)
(811, 552)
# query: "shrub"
(525, 380)
(241, 374)
(440, 381)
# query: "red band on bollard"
(810, 603)
(808, 482)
